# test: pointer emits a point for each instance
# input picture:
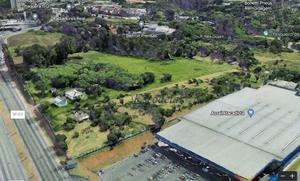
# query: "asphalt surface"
(42, 157)
(161, 164)
(44, 160)
(10, 164)
(146, 166)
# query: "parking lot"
(160, 164)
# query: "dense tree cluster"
(107, 117)
(285, 74)
(69, 124)
(92, 78)
(61, 140)
(39, 56)
(234, 81)
(178, 97)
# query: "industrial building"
(223, 134)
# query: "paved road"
(43, 158)
(6, 34)
(11, 167)
(41, 155)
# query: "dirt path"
(205, 77)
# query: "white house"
(73, 94)
(155, 28)
(81, 116)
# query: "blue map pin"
(250, 112)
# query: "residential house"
(74, 94)
(81, 116)
(157, 29)
(60, 101)
(136, 12)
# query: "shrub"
(148, 77)
(75, 135)
(61, 141)
(166, 78)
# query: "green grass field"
(29, 38)
(181, 69)
(34, 37)
(292, 60)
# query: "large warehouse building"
(241, 145)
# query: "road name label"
(17, 114)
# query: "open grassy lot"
(292, 60)
(89, 166)
(181, 69)
(29, 38)
(89, 138)
(34, 37)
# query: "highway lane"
(44, 160)
(11, 167)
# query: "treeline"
(285, 74)
(179, 98)
(96, 36)
(40, 56)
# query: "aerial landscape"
(149, 90)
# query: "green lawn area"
(29, 38)
(181, 69)
(34, 37)
(292, 60)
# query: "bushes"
(40, 56)
(276, 46)
(44, 105)
(69, 124)
(75, 135)
(114, 136)
(59, 82)
(285, 74)
(61, 141)
(166, 78)
(148, 77)
(92, 77)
